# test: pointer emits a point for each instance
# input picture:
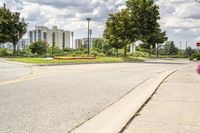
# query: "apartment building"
(54, 37)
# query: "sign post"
(198, 45)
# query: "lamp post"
(88, 19)
(91, 38)
(72, 33)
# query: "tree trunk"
(157, 51)
(125, 51)
(150, 51)
(117, 52)
(14, 48)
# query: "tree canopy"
(170, 48)
(138, 21)
(12, 27)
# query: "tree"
(189, 51)
(146, 14)
(39, 47)
(98, 44)
(12, 27)
(5, 16)
(170, 48)
(119, 30)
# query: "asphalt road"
(9, 71)
(55, 99)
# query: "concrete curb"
(114, 118)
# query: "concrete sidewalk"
(175, 108)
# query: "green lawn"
(47, 61)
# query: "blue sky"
(180, 18)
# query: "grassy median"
(55, 61)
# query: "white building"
(54, 37)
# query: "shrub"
(140, 54)
(39, 47)
(56, 51)
(5, 52)
(25, 53)
(195, 56)
(95, 53)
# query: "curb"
(115, 118)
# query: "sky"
(179, 18)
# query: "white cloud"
(180, 18)
(198, 39)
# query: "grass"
(41, 61)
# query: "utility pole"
(88, 19)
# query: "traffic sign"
(198, 44)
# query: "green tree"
(189, 51)
(12, 27)
(146, 15)
(5, 16)
(98, 45)
(39, 47)
(119, 30)
(170, 48)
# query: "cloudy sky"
(180, 18)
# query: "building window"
(45, 36)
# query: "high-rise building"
(54, 37)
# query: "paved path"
(175, 108)
(58, 98)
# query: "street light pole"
(88, 19)
(72, 40)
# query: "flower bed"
(74, 58)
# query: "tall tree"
(12, 27)
(119, 30)
(170, 48)
(5, 16)
(146, 14)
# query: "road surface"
(58, 98)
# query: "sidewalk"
(175, 108)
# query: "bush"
(195, 56)
(39, 47)
(95, 53)
(56, 51)
(25, 53)
(140, 54)
(5, 52)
